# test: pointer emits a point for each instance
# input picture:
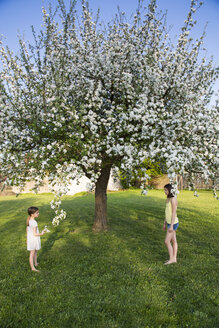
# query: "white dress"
(33, 242)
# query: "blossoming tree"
(88, 97)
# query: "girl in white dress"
(33, 236)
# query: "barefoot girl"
(172, 223)
(33, 236)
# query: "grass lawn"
(115, 279)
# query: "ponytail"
(28, 219)
(31, 210)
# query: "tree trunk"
(100, 220)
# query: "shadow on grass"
(97, 285)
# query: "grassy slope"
(113, 279)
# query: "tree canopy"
(87, 97)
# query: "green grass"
(115, 279)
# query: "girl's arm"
(174, 206)
(36, 234)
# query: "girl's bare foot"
(170, 262)
(36, 264)
(34, 269)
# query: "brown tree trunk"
(100, 220)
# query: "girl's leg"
(31, 260)
(175, 246)
(35, 258)
(168, 244)
(168, 239)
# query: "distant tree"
(87, 97)
(136, 178)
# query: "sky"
(17, 16)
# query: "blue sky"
(19, 15)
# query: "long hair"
(31, 210)
(169, 188)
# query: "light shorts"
(175, 226)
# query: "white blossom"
(85, 97)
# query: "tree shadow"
(91, 271)
(150, 219)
